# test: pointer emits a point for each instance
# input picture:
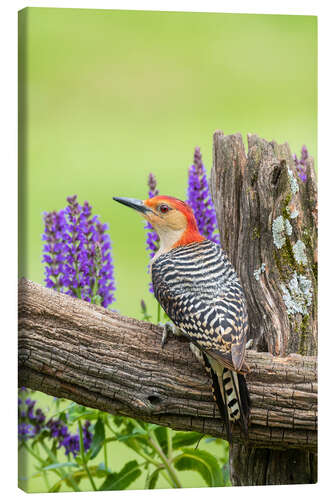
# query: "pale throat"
(168, 237)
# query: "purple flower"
(32, 423)
(77, 253)
(199, 198)
(103, 258)
(70, 442)
(301, 163)
(57, 429)
(55, 226)
(25, 431)
(87, 435)
(153, 239)
(30, 420)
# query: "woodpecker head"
(172, 219)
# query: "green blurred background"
(108, 96)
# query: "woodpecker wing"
(199, 290)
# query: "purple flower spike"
(30, 420)
(200, 200)
(153, 240)
(25, 431)
(32, 423)
(71, 442)
(105, 267)
(54, 248)
(301, 163)
(78, 254)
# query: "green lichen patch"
(293, 182)
(299, 252)
(278, 230)
(297, 294)
(288, 227)
(281, 228)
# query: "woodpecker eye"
(163, 208)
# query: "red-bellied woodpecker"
(198, 288)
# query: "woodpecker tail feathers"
(231, 396)
(236, 401)
(235, 398)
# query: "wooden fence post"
(267, 218)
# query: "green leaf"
(118, 421)
(98, 439)
(136, 445)
(181, 439)
(121, 480)
(161, 434)
(152, 427)
(152, 479)
(202, 462)
(143, 425)
(86, 415)
(218, 441)
(37, 474)
(56, 487)
(135, 433)
(78, 412)
(60, 466)
(110, 439)
(210, 440)
(102, 471)
(226, 474)
(79, 460)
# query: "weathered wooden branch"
(69, 348)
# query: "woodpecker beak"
(138, 205)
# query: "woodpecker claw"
(164, 338)
(249, 344)
(168, 329)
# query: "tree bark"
(267, 220)
(72, 349)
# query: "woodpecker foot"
(198, 354)
(168, 329)
(249, 344)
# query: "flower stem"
(44, 473)
(42, 462)
(169, 437)
(138, 451)
(166, 462)
(84, 458)
(62, 473)
(105, 456)
(32, 453)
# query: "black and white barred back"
(199, 290)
